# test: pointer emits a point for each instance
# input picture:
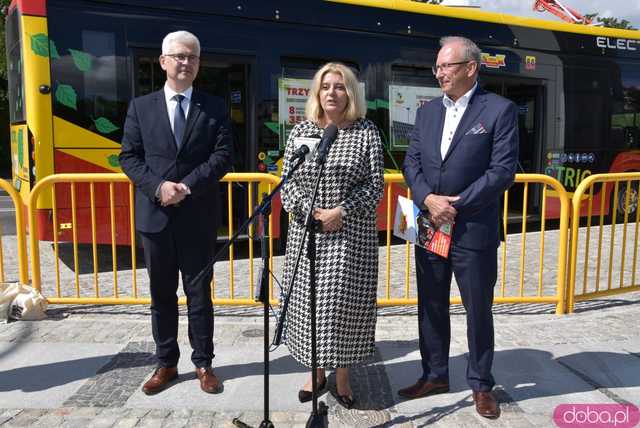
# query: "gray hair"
(183, 37)
(470, 50)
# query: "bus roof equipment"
(561, 11)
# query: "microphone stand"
(319, 410)
(263, 210)
(263, 296)
(317, 418)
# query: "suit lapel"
(438, 135)
(165, 125)
(194, 112)
(475, 107)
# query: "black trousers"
(183, 248)
(476, 273)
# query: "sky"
(622, 9)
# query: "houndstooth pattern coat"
(346, 260)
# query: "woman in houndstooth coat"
(347, 247)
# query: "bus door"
(527, 94)
(227, 77)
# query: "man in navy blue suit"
(175, 148)
(462, 157)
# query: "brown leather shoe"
(423, 388)
(208, 381)
(486, 404)
(160, 380)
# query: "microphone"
(300, 152)
(329, 135)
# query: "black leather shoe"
(304, 396)
(344, 400)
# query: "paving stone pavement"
(84, 365)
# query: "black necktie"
(178, 120)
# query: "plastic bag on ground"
(21, 302)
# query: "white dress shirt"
(172, 103)
(454, 112)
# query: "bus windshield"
(14, 68)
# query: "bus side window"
(410, 87)
(89, 74)
(626, 117)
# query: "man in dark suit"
(175, 148)
(462, 157)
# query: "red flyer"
(414, 226)
(436, 240)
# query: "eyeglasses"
(447, 66)
(183, 57)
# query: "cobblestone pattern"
(93, 329)
(606, 320)
(374, 397)
(118, 417)
(117, 380)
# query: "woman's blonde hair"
(356, 106)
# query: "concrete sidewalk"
(84, 366)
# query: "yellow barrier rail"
(270, 181)
(117, 295)
(552, 293)
(623, 200)
(23, 275)
(105, 290)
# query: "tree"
(610, 21)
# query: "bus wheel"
(618, 207)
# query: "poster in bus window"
(403, 105)
(292, 97)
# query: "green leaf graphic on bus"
(82, 60)
(66, 96)
(20, 148)
(53, 51)
(113, 160)
(40, 44)
(104, 125)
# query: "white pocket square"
(477, 129)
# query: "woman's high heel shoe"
(344, 400)
(304, 396)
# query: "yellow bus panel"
(38, 104)
(68, 135)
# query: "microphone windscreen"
(329, 135)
